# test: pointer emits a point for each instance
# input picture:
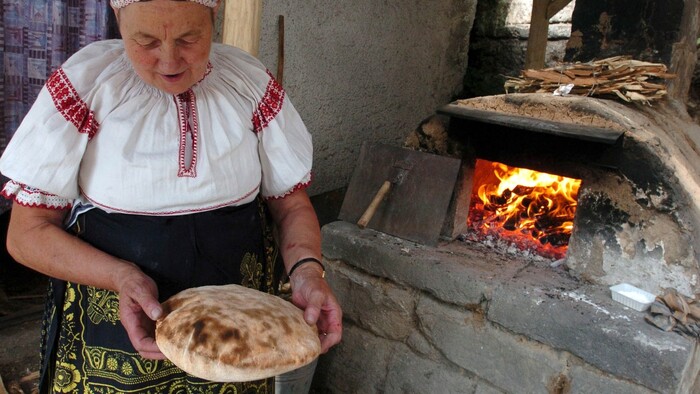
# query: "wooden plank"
(19, 317)
(580, 132)
(242, 19)
(547, 75)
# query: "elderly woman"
(163, 155)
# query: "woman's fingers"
(330, 324)
(138, 310)
(139, 327)
(321, 308)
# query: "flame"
(534, 210)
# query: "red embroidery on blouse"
(297, 187)
(189, 132)
(70, 105)
(269, 106)
(207, 72)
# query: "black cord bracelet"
(307, 260)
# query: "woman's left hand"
(300, 238)
(311, 292)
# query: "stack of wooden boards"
(675, 312)
(28, 384)
(615, 77)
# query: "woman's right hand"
(36, 238)
(139, 309)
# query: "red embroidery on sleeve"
(70, 105)
(269, 106)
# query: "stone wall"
(457, 319)
(499, 43)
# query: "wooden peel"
(414, 208)
(399, 172)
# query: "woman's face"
(168, 42)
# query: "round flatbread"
(234, 334)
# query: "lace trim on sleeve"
(32, 197)
(299, 186)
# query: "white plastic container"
(632, 297)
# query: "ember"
(532, 210)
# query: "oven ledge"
(475, 317)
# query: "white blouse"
(98, 134)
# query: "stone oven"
(467, 317)
(473, 317)
(637, 214)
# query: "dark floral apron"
(84, 346)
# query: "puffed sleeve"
(285, 147)
(284, 144)
(43, 157)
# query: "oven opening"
(521, 210)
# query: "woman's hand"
(138, 310)
(36, 238)
(311, 292)
(300, 237)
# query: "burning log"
(618, 77)
(533, 210)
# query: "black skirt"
(84, 345)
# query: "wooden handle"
(372, 208)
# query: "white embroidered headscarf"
(124, 3)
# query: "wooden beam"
(242, 19)
(537, 38)
(556, 6)
(542, 12)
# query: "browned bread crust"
(234, 334)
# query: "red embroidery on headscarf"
(269, 106)
(70, 105)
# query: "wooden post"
(242, 19)
(280, 51)
(542, 11)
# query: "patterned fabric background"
(36, 37)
